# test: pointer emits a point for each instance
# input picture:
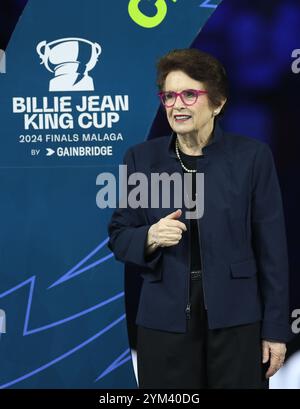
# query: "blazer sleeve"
(270, 246)
(128, 230)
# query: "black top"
(190, 162)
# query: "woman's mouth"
(181, 118)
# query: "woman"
(213, 310)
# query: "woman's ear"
(219, 109)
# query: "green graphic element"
(145, 21)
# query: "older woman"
(213, 309)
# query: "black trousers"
(227, 358)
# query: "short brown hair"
(198, 65)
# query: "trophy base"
(71, 83)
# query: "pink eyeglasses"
(187, 96)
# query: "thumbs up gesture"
(166, 232)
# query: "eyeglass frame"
(179, 94)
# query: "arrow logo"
(50, 152)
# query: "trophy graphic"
(71, 60)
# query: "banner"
(79, 89)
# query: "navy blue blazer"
(242, 239)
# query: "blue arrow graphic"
(207, 4)
(65, 355)
(74, 272)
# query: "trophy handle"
(39, 47)
(42, 49)
(98, 49)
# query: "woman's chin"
(181, 128)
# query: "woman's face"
(199, 117)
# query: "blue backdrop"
(61, 289)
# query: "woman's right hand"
(166, 232)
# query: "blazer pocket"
(243, 269)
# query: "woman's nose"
(179, 103)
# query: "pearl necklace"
(180, 160)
